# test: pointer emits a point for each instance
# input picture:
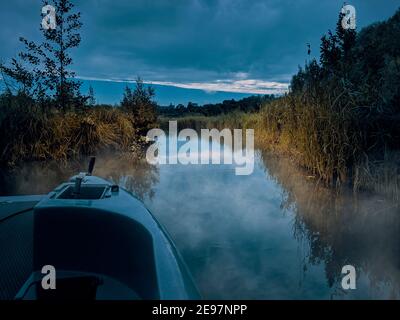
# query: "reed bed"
(331, 143)
(328, 142)
(33, 135)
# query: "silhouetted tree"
(139, 103)
(359, 74)
(330, 54)
(42, 70)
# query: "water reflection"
(276, 234)
(132, 173)
(360, 230)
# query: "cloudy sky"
(223, 48)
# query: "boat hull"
(106, 243)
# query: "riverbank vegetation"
(340, 119)
(29, 134)
(44, 115)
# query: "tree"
(181, 109)
(330, 54)
(91, 100)
(139, 103)
(346, 39)
(192, 107)
(42, 70)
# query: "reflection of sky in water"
(201, 151)
(231, 231)
(236, 237)
(269, 235)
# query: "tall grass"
(30, 134)
(331, 143)
(318, 137)
(198, 122)
(327, 141)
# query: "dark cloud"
(192, 41)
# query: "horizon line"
(249, 86)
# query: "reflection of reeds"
(34, 136)
(129, 170)
(361, 230)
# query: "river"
(274, 234)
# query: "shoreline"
(363, 178)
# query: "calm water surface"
(276, 234)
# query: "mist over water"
(275, 234)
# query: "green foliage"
(140, 105)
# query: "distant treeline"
(248, 104)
